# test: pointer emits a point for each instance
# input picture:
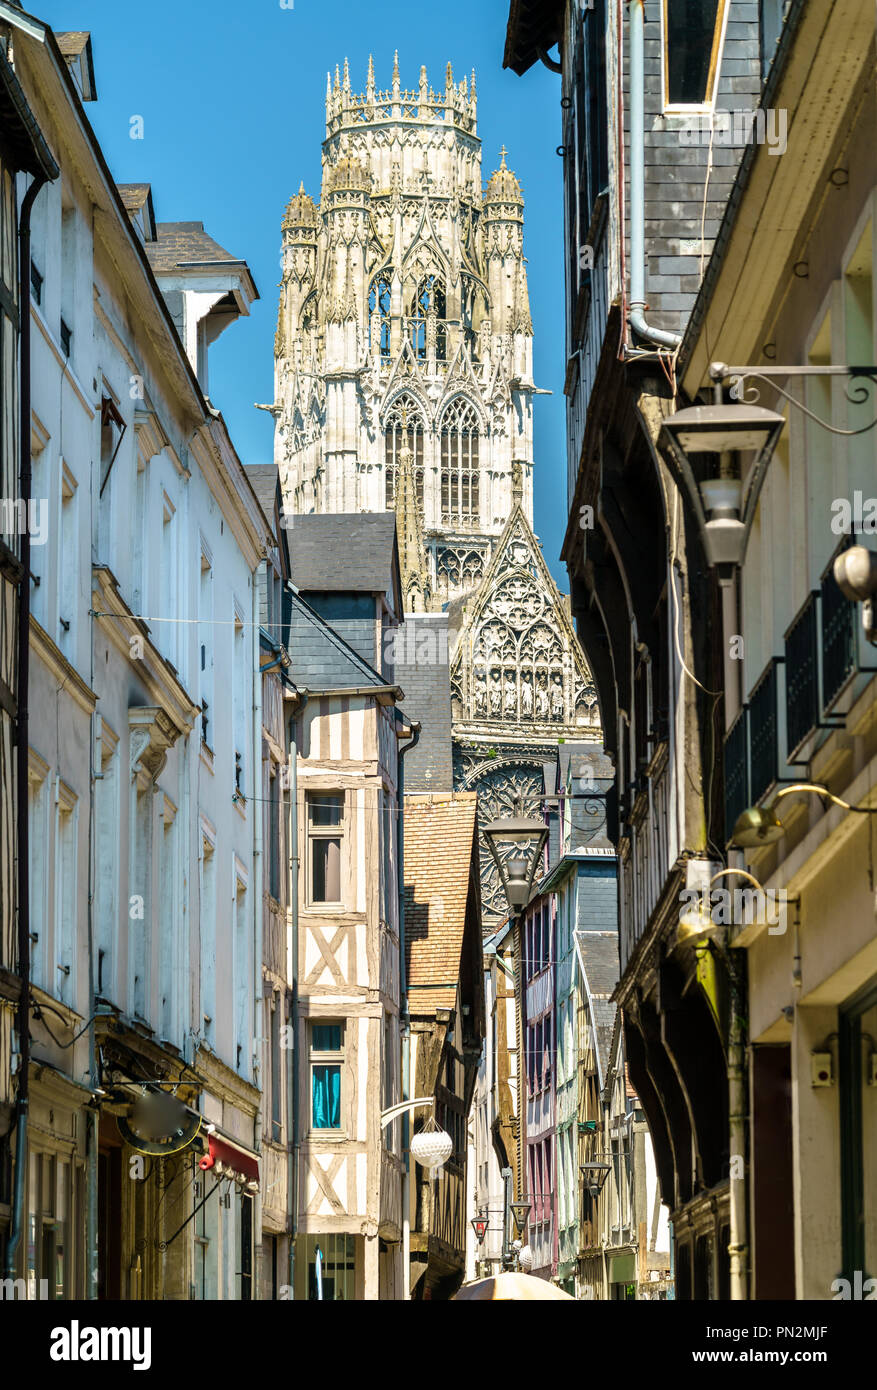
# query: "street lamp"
(520, 1211)
(511, 845)
(595, 1175)
(722, 499)
(760, 825)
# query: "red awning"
(227, 1153)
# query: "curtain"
(327, 1096)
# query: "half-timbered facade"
(347, 739)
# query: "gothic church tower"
(404, 381)
(404, 327)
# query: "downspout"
(738, 1245)
(658, 337)
(21, 698)
(259, 932)
(404, 1021)
(292, 1136)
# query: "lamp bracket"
(855, 394)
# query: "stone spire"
(416, 591)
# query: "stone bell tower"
(404, 325)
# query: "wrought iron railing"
(802, 674)
(764, 732)
(736, 770)
(838, 640)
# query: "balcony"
(764, 731)
(802, 674)
(736, 769)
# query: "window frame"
(325, 832)
(321, 1057)
(669, 108)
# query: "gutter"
(658, 337)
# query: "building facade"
(799, 705)
(142, 1161)
(656, 119)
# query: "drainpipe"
(258, 932)
(404, 1021)
(738, 1248)
(292, 1125)
(21, 734)
(658, 337)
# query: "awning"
(228, 1159)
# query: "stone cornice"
(67, 676)
(158, 676)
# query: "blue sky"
(232, 100)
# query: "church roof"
(340, 552)
(440, 847)
(301, 210)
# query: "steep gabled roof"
(441, 895)
(323, 661)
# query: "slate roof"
(72, 42)
(345, 552)
(264, 480)
(321, 659)
(440, 842)
(134, 195)
(599, 952)
(186, 244)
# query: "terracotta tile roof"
(440, 841)
(185, 244)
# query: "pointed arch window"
(693, 33)
(427, 323)
(459, 465)
(403, 424)
(379, 316)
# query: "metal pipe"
(404, 1022)
(660, 337)
(21, 734)
(292, 1137)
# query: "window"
(208, 936)
(276, 1072)
(66, 335)
(379, 315)
(240, 697)
(275, 800)
(205, 645)
(427, 325)
(459, 466)
(403, 429)
(65, 895)
(325, 836)
(326, 1266)
(36, 284)
(49, 1256)
(69, 565)
(326, 1064)
(693, 32)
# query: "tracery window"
(379, 315)
(459, 465)
(428, 318)
(403, 425)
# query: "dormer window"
(693, 33)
